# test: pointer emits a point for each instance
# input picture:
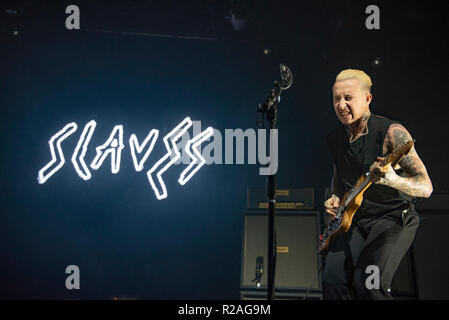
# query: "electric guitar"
(352, 200)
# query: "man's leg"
(385, 251)
(339, 266)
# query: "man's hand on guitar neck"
(416, 184)
(382, 175)
(331, 205)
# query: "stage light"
(377, 62)
(237, 24)
(240, 14)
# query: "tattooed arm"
(416, 183)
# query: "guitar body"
(346, 219)
(352, 201)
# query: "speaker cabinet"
(297, 260)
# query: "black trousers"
(380, 242)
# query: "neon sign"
(84, 142)
(113, 148)
(59, 137)
(134, 145)
(195, 142)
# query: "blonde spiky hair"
(364, 79)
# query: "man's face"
(351, 102)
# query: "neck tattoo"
(358, 128)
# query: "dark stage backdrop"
(128, 244)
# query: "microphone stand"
(268, 111)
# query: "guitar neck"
(367, 182)
(392, 158)
(356, 191)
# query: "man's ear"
(368, 98)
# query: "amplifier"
(286, 198)
(297, 261)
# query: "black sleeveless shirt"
(353, 159)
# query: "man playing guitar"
(385, 225)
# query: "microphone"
(276, 90)
(259, 271)
(286, 76)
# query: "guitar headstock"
(401, 150)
